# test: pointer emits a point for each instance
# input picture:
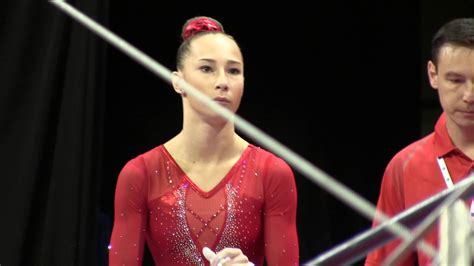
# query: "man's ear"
(176, 77)
(432, 74)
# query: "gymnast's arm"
(280, 234)
(128, 234)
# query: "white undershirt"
(449, 182)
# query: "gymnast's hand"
(227, 256)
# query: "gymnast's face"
(215, 67)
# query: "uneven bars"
(319, 177)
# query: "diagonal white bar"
(463, 190)
(417, 217)
(322, 179)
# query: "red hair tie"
(200, 25)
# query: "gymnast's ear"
(176, 79)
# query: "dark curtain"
(51, 110)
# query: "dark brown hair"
(459, 32)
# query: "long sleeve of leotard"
(280, 234)
(128, 234)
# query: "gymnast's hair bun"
(200, 24)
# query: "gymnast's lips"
(469, 114)
(222, 100)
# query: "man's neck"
(462, 138)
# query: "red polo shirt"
(413, 175)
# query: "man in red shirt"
(446, 156)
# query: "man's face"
(453, 77)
